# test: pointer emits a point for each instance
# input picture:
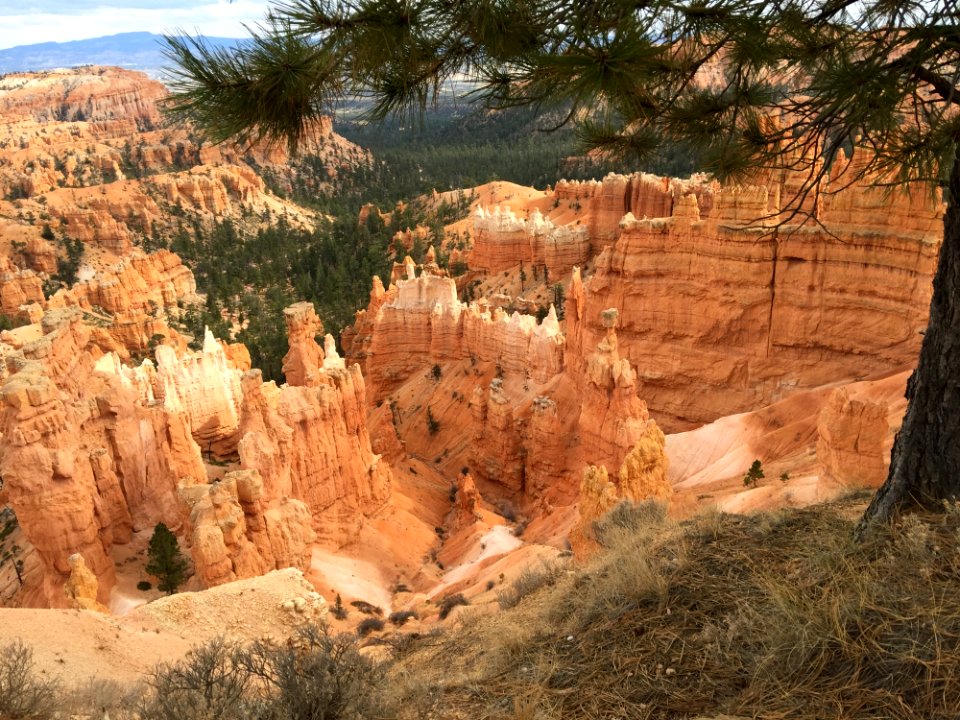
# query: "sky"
(25, 22)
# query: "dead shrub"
(211, 682)
(450, 602)
(314, 676)
(98, 698)
(400, 617)
(367, 608)
(369, 625)
(23, 695)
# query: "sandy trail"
(350, 578)
(123, 602)
(498, 540)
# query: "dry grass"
(772, 616)
(776, 615)
(98, 698)
(529, 581)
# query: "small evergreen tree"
(166, 562)
(433, 425)
(339, 611)
(559, 297)
(753, 474)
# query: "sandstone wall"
(84, 463)
(92, 450)
(133, 296)
(236, 534)
(720, 315)
(501, 241)
(206, 387)
(851, 437)
(83, 151)
(420, 321)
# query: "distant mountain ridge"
(131, 50)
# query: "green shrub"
(166, 562)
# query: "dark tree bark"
(925, 461)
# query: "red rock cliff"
(721, 316)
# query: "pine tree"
(166, 562)
(754, 474)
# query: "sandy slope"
(707, 464)
(76, 645)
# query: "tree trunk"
(925, 461)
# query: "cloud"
(49, 21)
(77, 7)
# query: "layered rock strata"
(85, 463)
(93, 451)
(130, 298)
(205, 386)
(502, 241)
(312, 443)
(304, 357)
(235, 533)
(722, 314)
(612, 416)
(84, 157)
(536, 421)
(419, 321)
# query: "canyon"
(633, 338)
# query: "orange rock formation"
(235, 533)
(502, 241)
(84, 461)
(93, 451)
(419, 321)
(851, 438)
(205, 386)
(81, 588)
(692, 305)
(83, 156)
(721, 316)
(304, 359)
